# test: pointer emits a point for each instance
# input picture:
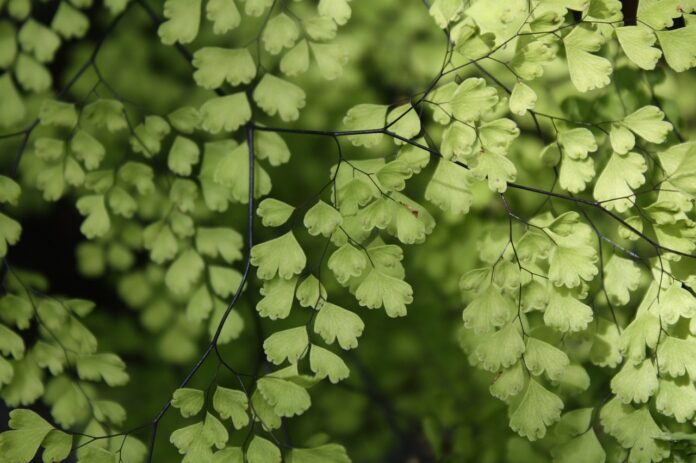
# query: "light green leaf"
(225, 113)
(106, 113)
(277, 96)
(216, 65)
(541, 357)
(58, 114)
(677, 357)
(280, 32)
(12, 108)
(322, 219)
(338, 10)
(325, 363)
(9, 190)
(637, 42)
(678, 47)
(647, 122)
(278, 295)
(69, 21)
(622, 139)
(183, 155)
(224, 281)
(282, 256)
(38, 39)
(403, 121)
(622, 175)
(472, 98)
(287, 398)
(336, 323)
(107, 367)
(183, 20)
(188, 401)
(565, 313)
(184, 271)
(490, 309)
(621, 277)
(97, 223)
(57, 446)
(185, 119)
(500, 349)
(522, 99)
(262, 451)
(365, 117)
(291, 345)
(310, 292)
(273, 212)
(330, 59)
(226, 173)
(347, 262)
(381, 290)
(537, 409)
(230, 403)
(219, 241)
(223, 14)
(587, 71)
(28, 432)
(296, 60)
(87, 149)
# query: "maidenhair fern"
(544, 126)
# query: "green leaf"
(635, 383)
(450, 188)
(273, 212)
(522, 99)
(647, 122)
(676, 397)
(498, 169)
(393, 175)
(639, 432)
(58, 114)
(278, 295)
(225, 281)
(272, 147)
(185, 119)
(223, 14)
(296, 60)
(565, 313)
(31, 75)
(38, 39)
(107, 367)
(488, 310)
(183, 155)
(216, 65)
(184, 271)
(365, 117)
(161, 242)
(325, 363)
(381, 290)
(541, 357)
(587, 71)
(291, 345)
(28, 432)
(10, 231)
(330, 59)
(11, 343)
(225, 113)
(8, 44)
(188, 401)
(12, 108)
(280, 32)
(226, 173)
(347, 262)
(230, 403)
(310, 292)
(678, 47)
(87, 149)
(445, 11)
(336, 323)
(622, 175)
(338, 10)
(537, 409)
(70, 22)
(106, 113)
(183, 20)
(637, 42)
(473, 98)
(97, 222)
(322, 219)
(500, 349)
(622, 139)
(327, 453)
(403, 121)
(582, 449)
(277, 96)
(262, 451)
(57, 446)
(9, 190)
(219, 241)
(49, 149)
(621, 277)
(282, 256)
(287, 398)
(676, 357)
